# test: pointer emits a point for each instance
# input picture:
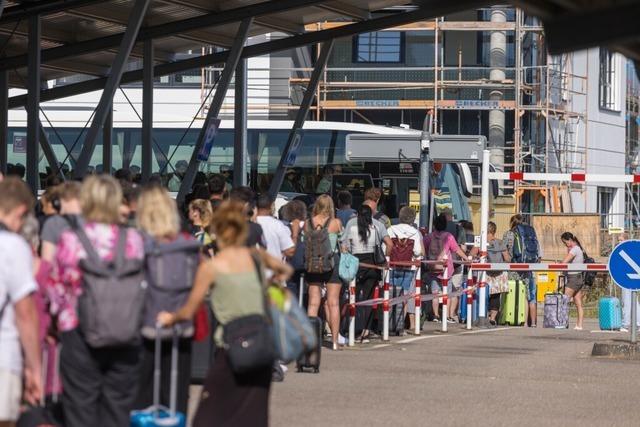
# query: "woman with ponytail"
(361, 237)
(574, 284)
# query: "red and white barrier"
(537, 267)
(564, 177)
(352, 313)
(487, 176)
(417, 311)
(444, 285)
(385, 304)
(469, 290)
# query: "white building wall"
(605, 134)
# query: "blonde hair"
(324, 206)
(157, 213)
(100, 198)
(203, 207)
(230, 224)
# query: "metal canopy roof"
(70, 23)
(82, 36)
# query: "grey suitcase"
(556, 311)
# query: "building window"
(379, 46)
(608, 92)
(605, 204)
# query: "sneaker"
(451, 320)
(577, 328)
(342, 340)
(436, 320)
(493, 322)
(277, 373)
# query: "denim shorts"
(404, 278)
(530, 280)
(533, 289)
(435, 285)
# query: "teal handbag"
(348, 267)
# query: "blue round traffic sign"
(624, 264)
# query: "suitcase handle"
(173, 393)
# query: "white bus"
(323, 143)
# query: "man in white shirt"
(18, 315)
(277, 236)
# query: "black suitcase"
(311, 360)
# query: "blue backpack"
(525, 244)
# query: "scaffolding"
(632, 146)
(545, 97)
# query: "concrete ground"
(499, 377)
(503, 376)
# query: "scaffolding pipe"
(498, 62)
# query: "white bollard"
(352, 313)
(385, 304)
(417, 312)
(482, 294)
(469, 299)
(301, 290)
(444, 284)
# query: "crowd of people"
(222, 247)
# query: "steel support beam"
(580, 30)
(4, 120)
(212, 19)
(28, 9)
(107, 155)
(216, 103)
(240, 151)
(113, 81)
(33, 103)
(49, 154)
(250, 51)
(147, 111)
(301, 115)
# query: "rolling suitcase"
(311, 360)
(158, 415)
(475, 307)
(513, 307)
(609, 313)
(462, 310)
(556, 311)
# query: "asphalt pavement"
(499, 377)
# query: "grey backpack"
(170, 269)
(112, 299)
(318, 251)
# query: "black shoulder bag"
(379, 257)
(249, 339)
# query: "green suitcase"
(513, 306)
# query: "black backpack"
(589, 276)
